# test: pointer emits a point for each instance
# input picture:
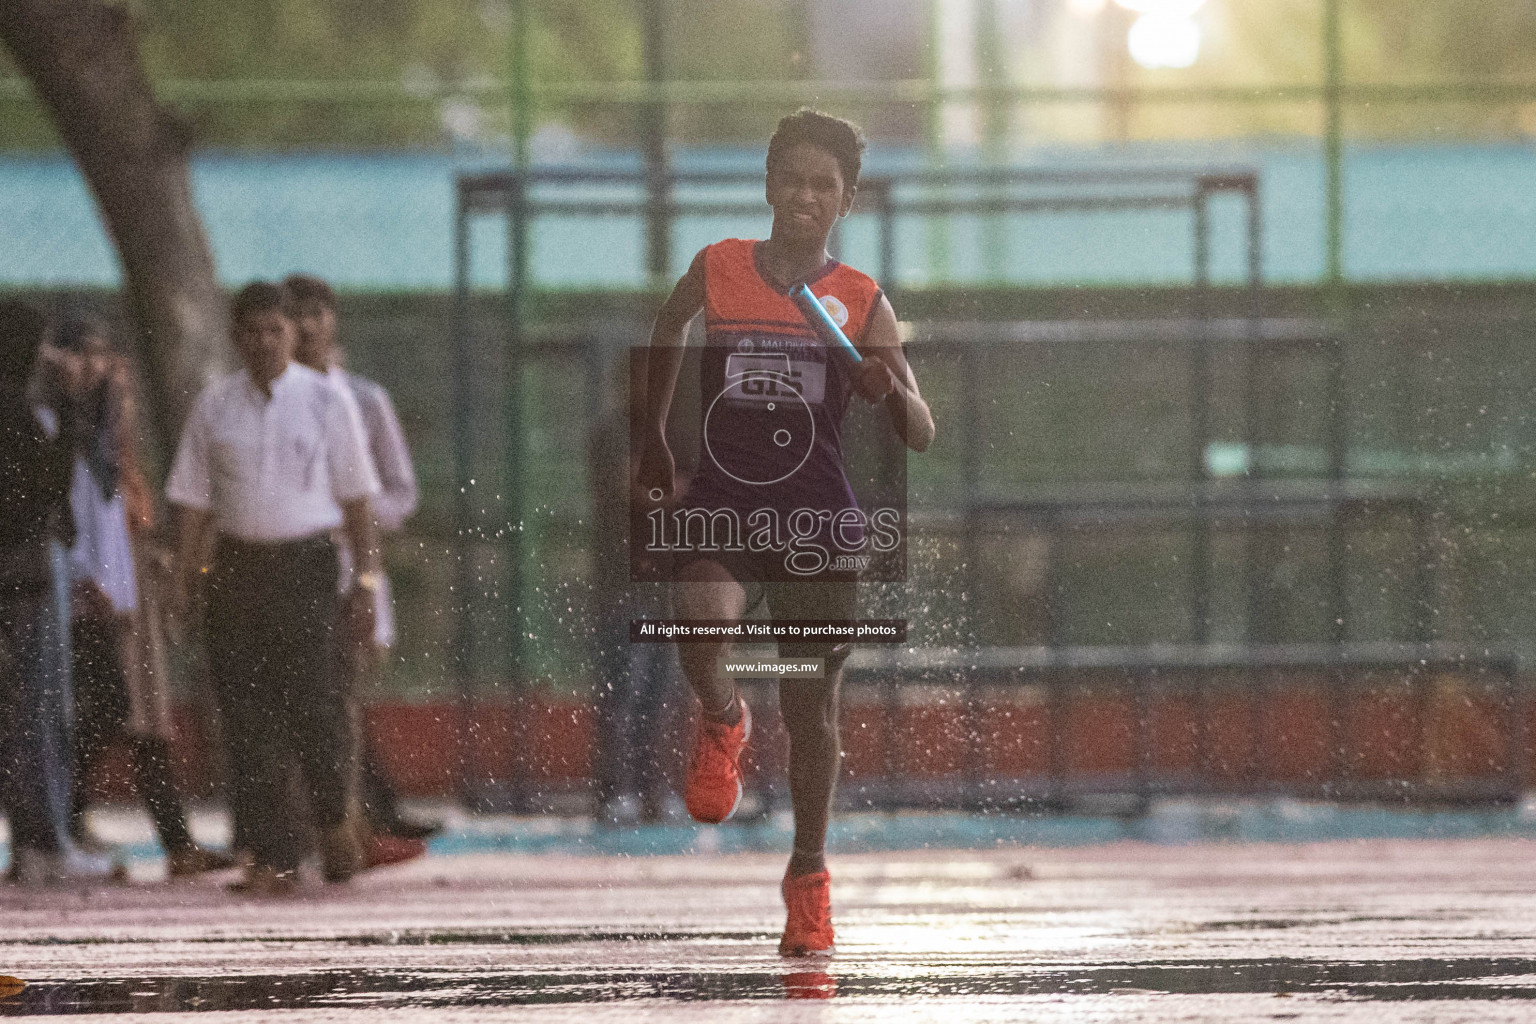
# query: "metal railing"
(1197, 503)
(524, 197)
(1229, 695)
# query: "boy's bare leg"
(708, 591)
(809, 708)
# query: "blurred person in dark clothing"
(638, 684)
(121, 689)
(273, 462)
(37, 453)
(319, 348)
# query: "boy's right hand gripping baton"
(812, 309)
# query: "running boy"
(774, 399)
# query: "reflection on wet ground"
(1418, 930)
(1394, 980)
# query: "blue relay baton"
(821, 320)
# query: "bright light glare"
(1086, 8)
(1159, 41)
(1163, 8)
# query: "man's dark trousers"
(271, 615)
(35, 696)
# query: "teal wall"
(381, 222)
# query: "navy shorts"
(832, 596)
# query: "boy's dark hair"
(842, 139)
(308, 287)
(74, 330)
(261, 297)
(22, 328)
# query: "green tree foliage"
(735, 40)
(1438, 41)
(451, 58)
(1276, 43)
(415, 73)
(353, 74)
(356, 73)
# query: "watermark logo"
(755, 449)
(787, 474)
(810, 541)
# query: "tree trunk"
(81, 57)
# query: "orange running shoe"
(382, 850)
(809, 928)
(713, 787)
(809, 985)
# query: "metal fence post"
(1333, 141)
(515, 548)
(463, 371)
(1200, 419)
(658, 218)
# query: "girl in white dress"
(120, 682)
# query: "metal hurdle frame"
(1151, 671)
(511, 193)
(515, 195)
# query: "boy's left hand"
(358, 613)
(873, 380)
(87, 601)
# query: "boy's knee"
(809, 710)
(701, 658)
(832, 655)
(835, 657)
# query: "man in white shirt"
(319, 348)
(272, 461)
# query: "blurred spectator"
(637, 684)
(273, 461)
(37, 449)
(120, 685)
(319, 348)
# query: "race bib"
(761, 377)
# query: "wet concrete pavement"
(1342, 931)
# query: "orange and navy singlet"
(773, 396)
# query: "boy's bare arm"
(669, 334)
(192, 528)
(909, 413)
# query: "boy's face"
(315, 323)
(807, 193)
(265, 341)
(96, 360)
(60, 371)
